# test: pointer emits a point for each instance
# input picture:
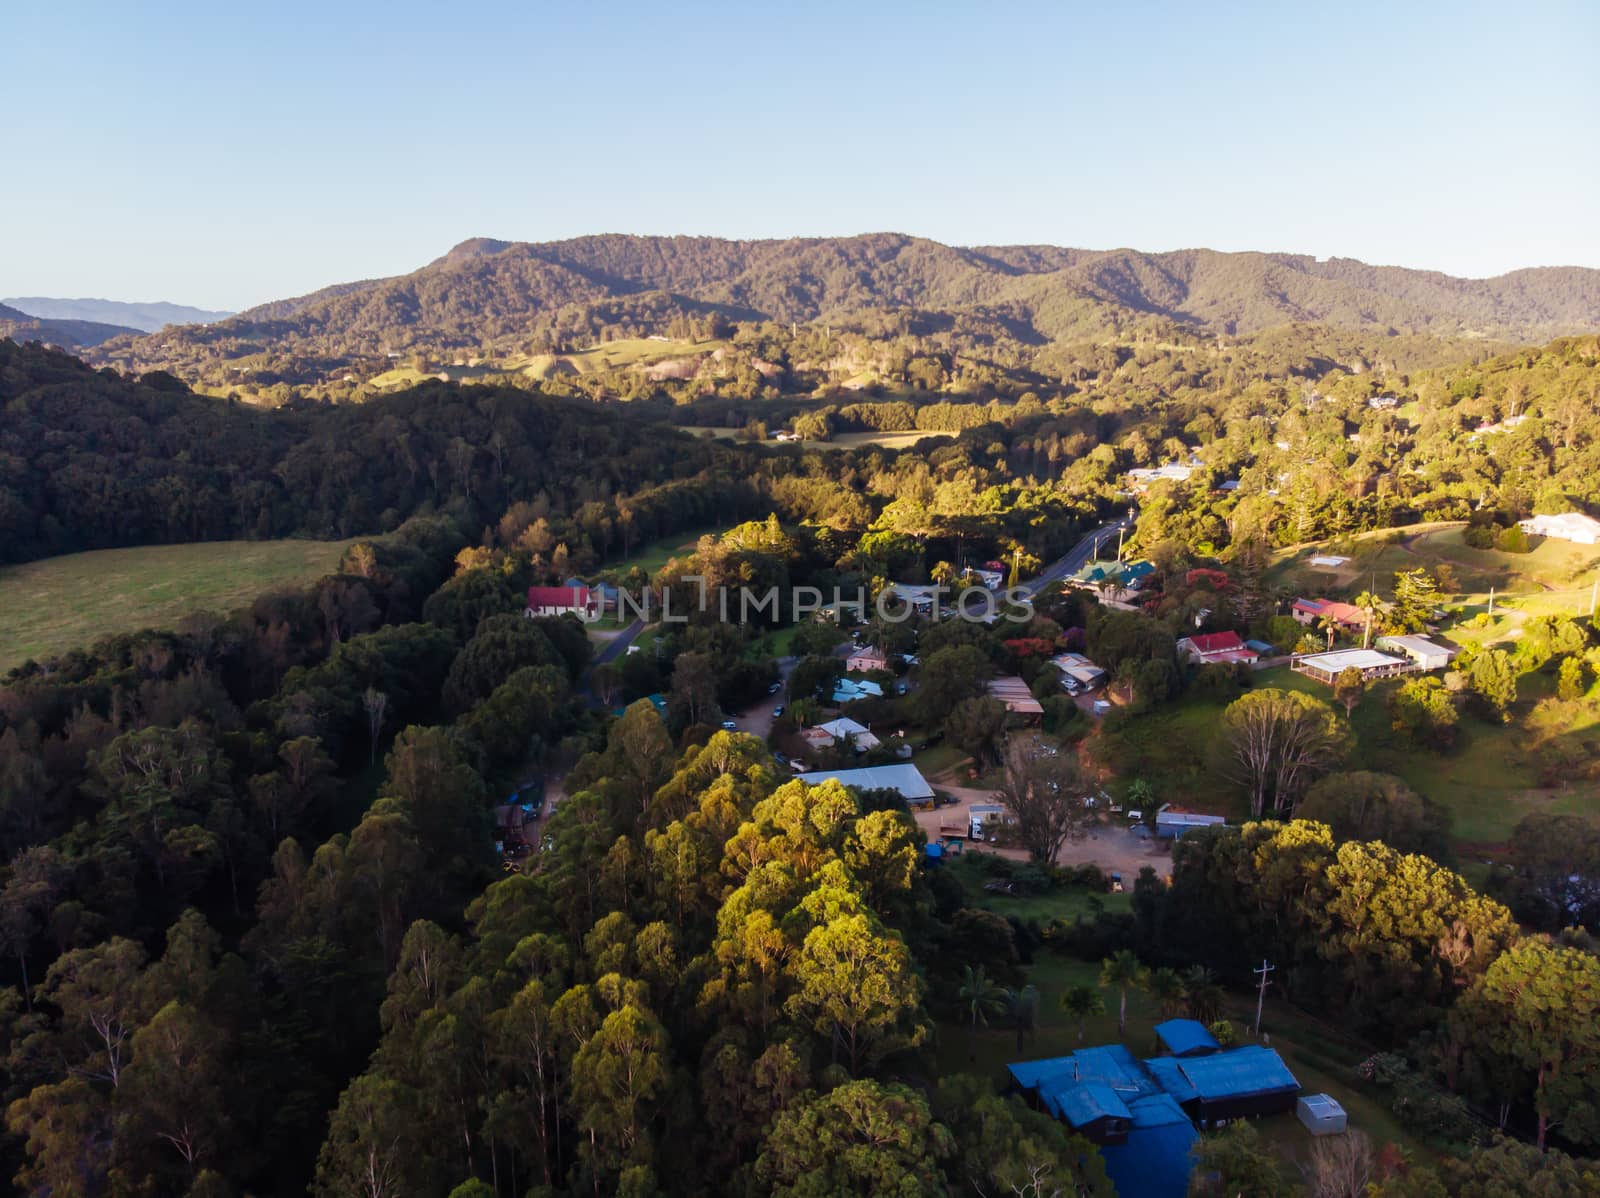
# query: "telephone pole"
(1261, 991)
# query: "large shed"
(907, 779)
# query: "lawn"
(1555, 573)
(1489, 781)
(622, 354)
(882, 440)
(652, 556)
(68, 602)
(837, 441)
(1066, 903)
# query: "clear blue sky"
(224, 154)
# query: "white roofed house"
(852, 733)
(1326, 667)
(1569, 526)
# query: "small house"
(848, 690)
(1014, 693)
(1569, 526)
(866, 658)
(577, 601)
(1312, 612)
(847, 730)
(1215, 648)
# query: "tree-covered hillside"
(493, 299)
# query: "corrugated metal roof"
(1169, 1076)
(1081, 1104)
(1238, 1072)
(1185, 1035)
(907, 779)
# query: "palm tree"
(1023, 1007)
(1080, 1003)
(1329, 626)
(1369, 603)
(1204, 994)
(979, 996)
(1167, 988)
(1122, 972)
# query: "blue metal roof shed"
(1241, 1072)
(1186, 1037)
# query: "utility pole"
(1491, 601)
(1261, 992)
(1120, 531)
(1594, 594)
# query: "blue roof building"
(1144, 1114)
(1156, 1158)
(1186, 1038)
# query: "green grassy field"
(1489, 781)
(1555, 572)
(652, 556)
(837, 442)
(623, 354)
(68, 602)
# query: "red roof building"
(1313, 611)
(1209, 648)
(559, 601)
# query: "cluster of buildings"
(1393, 656)
(1146, 1115)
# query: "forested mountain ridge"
(497, 295)
(92, 460)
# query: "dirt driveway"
(1115, 849)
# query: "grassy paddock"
(65, 603)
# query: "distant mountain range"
(497, 293)
(68, 334)
(147, 318)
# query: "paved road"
(1078, 556)
(616, 645)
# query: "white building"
(1569, 526)
(1428, 655)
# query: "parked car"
(777, 711)
(730, 725)
(774, 688)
